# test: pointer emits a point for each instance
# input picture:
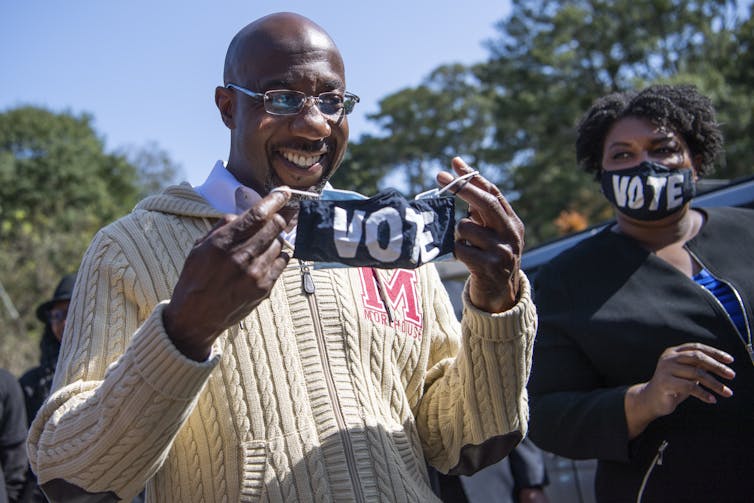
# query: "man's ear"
(224, 102)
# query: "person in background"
(643, 357)
(521, 477)
(36, 382)
(13, 461)
(200, 358)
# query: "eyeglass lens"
(285, 102)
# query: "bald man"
(200, 359)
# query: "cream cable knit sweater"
(312, 398)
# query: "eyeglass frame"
(263, 97)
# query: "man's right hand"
(226, 275)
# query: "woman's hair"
(680, 108)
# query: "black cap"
(62, 292)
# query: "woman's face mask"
(384, 231)
(649, 191)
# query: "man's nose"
(311, 123)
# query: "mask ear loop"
(456, 181)
(286, 244)
(306, 193)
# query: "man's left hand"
(489, 241)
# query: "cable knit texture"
(320, 397)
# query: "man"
(201, 358)
(36, 382)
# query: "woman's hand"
(682, 371)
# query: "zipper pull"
(750, 349)
(307, 282)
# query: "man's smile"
(303, 159)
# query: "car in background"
(572, 481)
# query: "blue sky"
(146, 70)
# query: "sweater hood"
(179, 200)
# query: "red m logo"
(400, 291)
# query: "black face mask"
(385, 231)
(649, 191)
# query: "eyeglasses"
(58, 315)
(288, 102)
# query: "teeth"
(300, 160)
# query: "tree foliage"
(58, 186)
(726, 73)
(424, 127)
(155, 170)
(514, 115)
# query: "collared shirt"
(226, 194)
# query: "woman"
(642, 359)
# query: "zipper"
(745, 340)
(657, 461)
(382, 290)
(307, 284)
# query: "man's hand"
(682, 371)
(489, 241)
(226, 275)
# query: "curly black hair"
(681, 108)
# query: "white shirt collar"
(225, 193)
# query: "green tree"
(726, 71)
(421, 129)
(155, 170)
(58, 186)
